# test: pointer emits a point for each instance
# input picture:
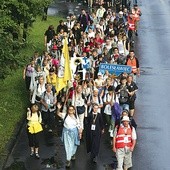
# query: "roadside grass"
(13, 94)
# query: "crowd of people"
(93, 102)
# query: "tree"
(17, 17)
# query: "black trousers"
(48, 118)
(33, 139)
(27, 82)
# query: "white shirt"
(38, 91)
(91, 34)
(120, 47)
(99, 82)
(77, 100)
(108, 98)
(70, 122)
(100, 12)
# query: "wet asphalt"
(152, 105)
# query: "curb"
(12, 142)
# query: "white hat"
(126, 118)
(97, 26)
(99, 74)
(95, 89)
(120, 12)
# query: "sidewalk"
(51, 153)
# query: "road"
(153, 101)
(152, 105)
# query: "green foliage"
(14, 98)
(12, 106)
(10, 59)
(18, 16)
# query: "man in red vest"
(137, 13)
(131, 20)
(134, 63)
(124, 141)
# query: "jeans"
(124, 107)
(135, 2)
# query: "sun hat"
(125, 118)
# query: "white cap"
(95, 89)
(97, 26)
(120, 12)
(99, 74)
(126, 118)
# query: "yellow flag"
(64, 71)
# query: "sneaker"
(68, 163)
(73, 158)
(32, 154)
(111, 143)
(50, 130)
(95, 159)
(37, 156)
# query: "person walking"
(109, 100)
(123, 93)
(131, 28)
(79, 103)
(132, 89)
(124, 141)
(84, 18)
(33, 129)
(38, 91)
(133, 61)
(27, 73)
(71, 133)
(48, 36)
(94, 130)
(48, 108)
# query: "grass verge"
(13, 95)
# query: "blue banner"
(115, 69)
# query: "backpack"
(38, 113)
(124, 96)
(116, 111)
(99, 100)
(121, 59)
(118, 2)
